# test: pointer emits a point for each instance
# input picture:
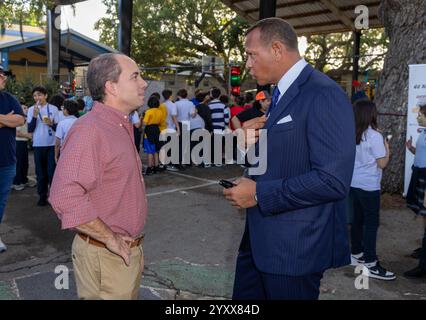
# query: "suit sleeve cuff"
(268, 196)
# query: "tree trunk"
(405, 24)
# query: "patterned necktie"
(274, 100)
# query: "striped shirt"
(99, 174)
(220, 114)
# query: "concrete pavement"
(192, 238)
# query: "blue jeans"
(366, 205)
(6, 178)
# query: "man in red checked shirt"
(98, 189)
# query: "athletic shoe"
(42, 202)
(357, 259)
(416, 253)
(376, 271)
(18, 187)
(3, 247)
(31, 183)
(172, 168)
(417, 272)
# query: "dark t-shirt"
(206, 114)
(249, 114)
(7, 135)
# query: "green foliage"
(175, 31)
(22, 89)
(335, 51)
(23, 12)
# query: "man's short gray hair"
(103, 68)
(276, 29)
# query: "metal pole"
(53, 40)
(49, 43)
(125, 12)
(267, 9)
(357, 45)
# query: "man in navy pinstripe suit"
(296, 222)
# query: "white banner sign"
(416, 94)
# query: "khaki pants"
(101, 274)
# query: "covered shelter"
(27, 54)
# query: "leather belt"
(99, 244)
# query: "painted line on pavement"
(186, 188)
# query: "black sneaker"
(172, 168)
(416, 253)
(42, 202)
(378, 272)
(149, 171)
(357, 259)
(417, 272)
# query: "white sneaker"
(376, 271)
(18, 187)
(357, 259)
(3, 247)
(31, 183)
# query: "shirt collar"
(110, 114)
(290, 76)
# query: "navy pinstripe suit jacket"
(299, 225)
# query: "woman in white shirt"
(372, 156)
(416, 195)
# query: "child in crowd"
(151, 142)
(372, 156)
(71, 109)
(416, 199)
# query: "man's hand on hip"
(242, 195)
(120, 245)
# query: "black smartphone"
(227, 184)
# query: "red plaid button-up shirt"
(99, 174)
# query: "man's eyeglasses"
(2, 75)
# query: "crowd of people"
(296, 223)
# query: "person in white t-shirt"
(42, 121)
(372, 156)
(185, 111)
(172, 122)
(71, 109)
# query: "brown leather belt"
(97, 243)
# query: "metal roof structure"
(312, 16)
(76, 49)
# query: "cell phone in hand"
(227, 184)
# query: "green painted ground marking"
(6, 291)
(203, 279)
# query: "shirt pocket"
(283, 127)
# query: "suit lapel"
(289, 95)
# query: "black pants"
(365, 224)
(44, 159)
(138, 138)
(21, 163)
(184, 146)
(252, 284)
